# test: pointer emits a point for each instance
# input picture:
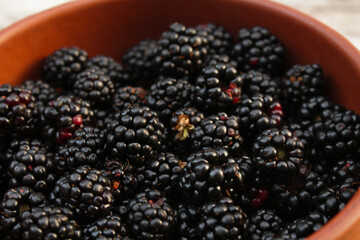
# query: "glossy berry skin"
(214, 59)
(109, 227)
(222, 219)
(150, 216)
(255, 82)
(127, 96)
(263, 222)
(188, 217)
(218, 39)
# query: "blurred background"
(341, 15)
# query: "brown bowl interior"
(109, 27)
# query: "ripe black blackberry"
(247, 168)
(102, 117)
(181, 52)
(49, 222)
(261, 223)
(257, 49)
(304, 134)
(218, 39)
(302, 82)
(255, 82)
(168, 94)
(258, 113)
(15, 202)
(343, 168)
(32, 166)
(218, 130)
(187, 219)
(214, 59)
(18, 110)
(150, 216)
(134, 135)
(109, 227)
(95, 86)
(62, 66)
(210, 174)
(86, 192)
(218, 88)
(139, 60)
(127, 96)
(111, 68)
(278, 153)
(222, 220)
(63, 116)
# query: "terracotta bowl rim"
(344, 220)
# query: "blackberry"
(222, 220)
(86, 192)
(62, 66)
(255, 82)
(49, 222)
(278, 153)
(139, 60)
(127, 96)
(18, 110)
(169, 94)
(214, 59)
(181, 52)
(32, 166)
(258, 113)
(63, 116)
(305, 135)
(247, 168)
(257, 49)
(263, 222)
(102, 117)
(218, 130)
(134, 134)
(15, 202)
(345, 167)
(111, 68)
(218, 39)
(302, 82)
(150, 216)
(254, 197)
(95, 86)
(187, 219)
(218, 88)
(109, 227)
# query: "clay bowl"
(110, 27)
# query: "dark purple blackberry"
(302, 82)
(214, 59)
(222, 220)
(127, 96)
(139, 60)
(254, 198)
(63, 116)
(109, 227)
(345, 167)
(261, 223)
(278, 153)
(95, 86)
(134, 135)
(218, 39)
(218, 88)
(150, 216)
(187, 219)
(181, 52)
(49, 222)
(247, 168)
(258, 113)
(305, 135)
(62, 66)
(111, 68)
(32, 166)
(218, 130)
(168, 94)
(86, 192)
(102, 117)
(257, 49)
(210, 174)
(18, 110)
(15, 202)
(256, 82)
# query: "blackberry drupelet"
(168, 94)
(150, 216)
(218, 39)
(255, 82)
(102, 117)
(304, 134)
(109, 227)
(278, 153)
(343, 168)
(261, 223)
(86, 192)
(134, 135)
(187, 219)
(258, 113)
(218, 130)
(258, 49)
(95, 86)
(63, 116)
(214, 59)
(247, 168)
(222, 220)
(62, 66)
(181, 52)
(127, 96)
(218, 88)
